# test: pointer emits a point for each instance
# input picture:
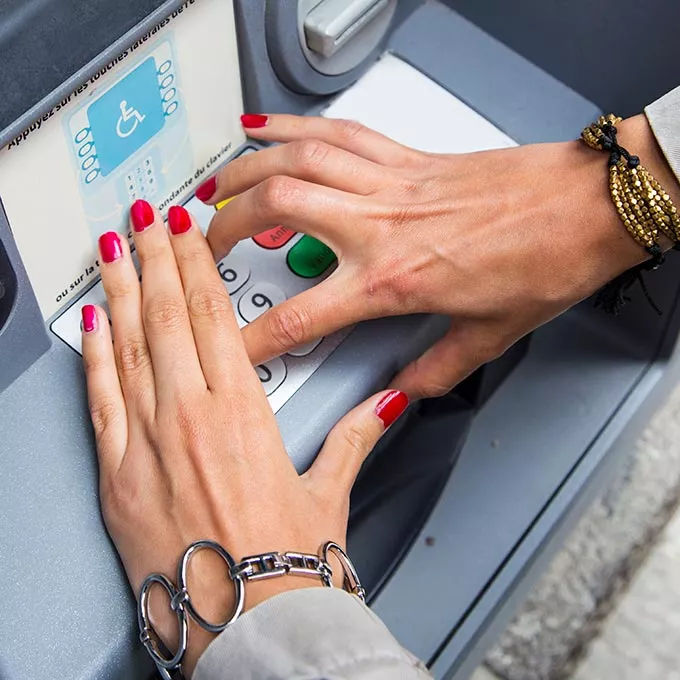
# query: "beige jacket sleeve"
(664, 118)
(310, 634)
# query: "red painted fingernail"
(254, 120)
(110, 247)
(142, 215)
(207, 190)
(90, 320)
(391, 406)
(179, 220)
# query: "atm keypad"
(258, 274)
(258, 300)
(276, 238)
(235, 273)
(272, 375)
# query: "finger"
(353, 438)
(164, 311)
(344, 134)
(315, 210)
(444, 365)
(216, 333)
(105, 397)
(308, 159)
(124, 297)
(313, 314)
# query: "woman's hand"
(188, 446)
(499, 241)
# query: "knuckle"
(164, 314)
(372, 285)
(390, 288)
(192, 257)
(410, 187)
(402, 217)
(399, 289)
(104, 415)
(491, 349)
(120, 290)
(93, 362)
(132, 356)
(433, 388)
(356, 440)
(151, 252)
(310, 154)
(276, 195)
(349, 129)
(289, 326)
(430, 383)
(209, 303)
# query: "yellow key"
(221, 204)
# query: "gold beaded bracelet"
(643, 206)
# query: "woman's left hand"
(188, 445)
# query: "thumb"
(444, 365)
(353, 438)
(311, 315)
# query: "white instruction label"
(153, 124)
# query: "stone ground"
(609, 606)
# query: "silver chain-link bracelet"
(253, 568)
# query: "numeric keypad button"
(272, 375)
(259, 299)
(235, 273)
(305, 350)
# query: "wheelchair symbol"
(129, 120)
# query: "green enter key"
(310, 258)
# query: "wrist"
(605, 247)
(636, 135)
(615, 249)
(256, 594)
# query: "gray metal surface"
(22, 333)
(69, 597)
(50, 68)
(337, 36)
(522, 100)
(522, 446)
(32, 44)
(270, 49)
(503, 595)
(576, 42)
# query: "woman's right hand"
(499, 241)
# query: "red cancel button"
(274, 238)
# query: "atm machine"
(462, 505)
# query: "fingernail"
(110, 247)
(391, 406)
(207, 190)
(90, 320)
(179, 220)
(254, 120)
(142, 215)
